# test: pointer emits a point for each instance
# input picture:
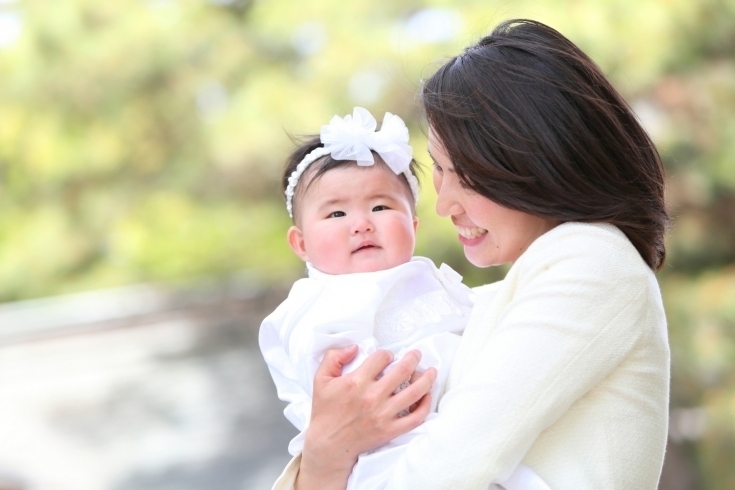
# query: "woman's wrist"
(323, 456)
(320, 471)
(310, 478)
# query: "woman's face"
(491, 234)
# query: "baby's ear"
(415, 223)
(296, 241)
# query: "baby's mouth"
(365, 246)
(470, 232)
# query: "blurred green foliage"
(143, 141)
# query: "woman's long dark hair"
(530, 122)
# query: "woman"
(540, 163)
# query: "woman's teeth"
(468, 232)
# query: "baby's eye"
(380, 208)
(336, 214)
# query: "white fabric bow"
(354, 138)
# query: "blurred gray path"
(172, 395)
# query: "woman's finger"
(414, 377)
(413, 393)
(413, 419)
(334, 360)
(374, 365)
(400, 372)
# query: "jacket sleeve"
(568, 315)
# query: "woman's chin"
(483, 254)
(476, 250)
(481, 262)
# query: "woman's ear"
(296, 241)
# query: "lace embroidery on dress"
(396, 324)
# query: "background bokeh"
(141, 142)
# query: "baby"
(352, 194)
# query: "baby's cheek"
(409, 246)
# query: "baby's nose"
(362, 225)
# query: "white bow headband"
(354, 138)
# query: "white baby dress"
(411, 306)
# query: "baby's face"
(355, 219)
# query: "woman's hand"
(356, 412)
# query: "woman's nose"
(446, 202)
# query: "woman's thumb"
(334, 360)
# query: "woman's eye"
(336, 214)
(380, 208)
(437, 168)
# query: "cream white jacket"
(565, 368)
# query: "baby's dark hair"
(323, 165)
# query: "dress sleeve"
(568, 320)
(294, 338)
(281, 368)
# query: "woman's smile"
(470, 235)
